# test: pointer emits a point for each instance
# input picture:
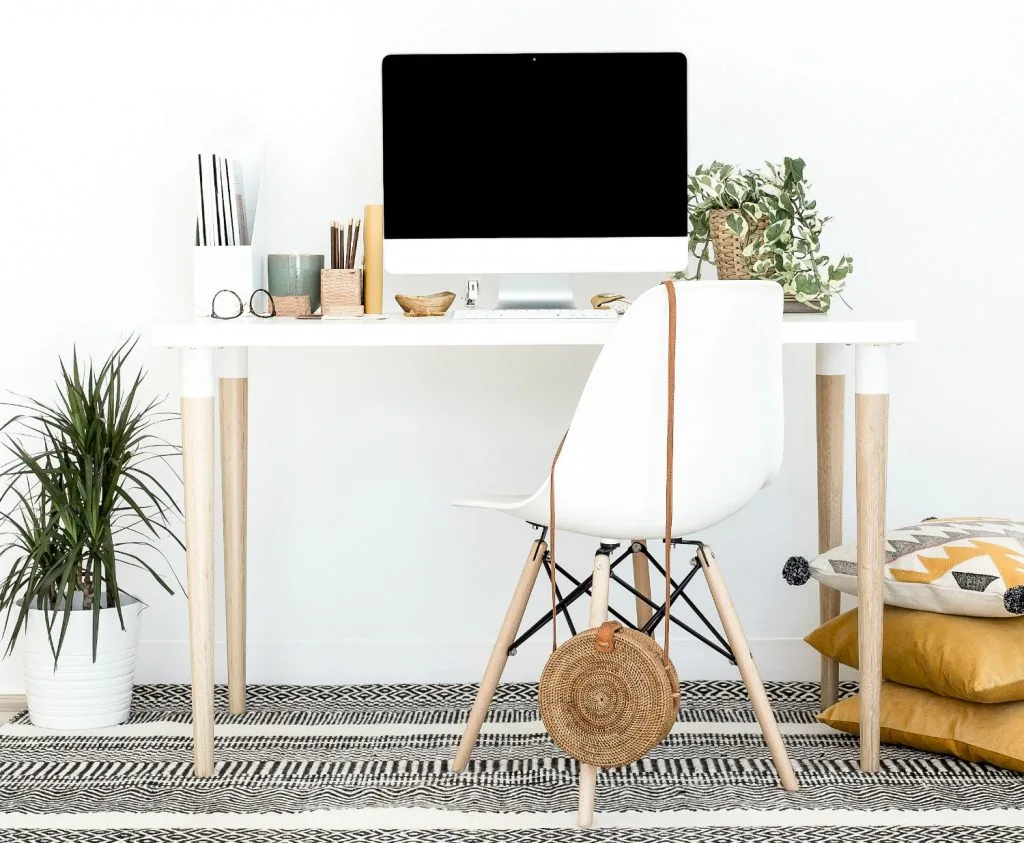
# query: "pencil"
(348, 245)
(355, 244)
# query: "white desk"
(200, 340)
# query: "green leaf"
(775, 231)
(737, 225)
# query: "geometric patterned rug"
(355, 764)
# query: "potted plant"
(81, 501)
(760, 224)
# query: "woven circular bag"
(608, 695)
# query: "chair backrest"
(610, 478)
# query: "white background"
(909, 117)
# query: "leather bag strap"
(551, 529)
(670, 288)
(605, 642)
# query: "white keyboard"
(515, 314)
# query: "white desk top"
(398, 330)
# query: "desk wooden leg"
(197, 391)
(234, 436)
(598, 615)
(642, 583)
(830, 401)
(499, 655)
(872, 417)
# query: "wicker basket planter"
(728, 248)
(732, 265)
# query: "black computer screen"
(534, 145)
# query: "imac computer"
(534, 166)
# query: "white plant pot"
(80, 693)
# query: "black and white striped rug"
(371, 763)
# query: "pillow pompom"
(1013, 600)
(796, 571)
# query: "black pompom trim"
(1013, 600)
(796, 571)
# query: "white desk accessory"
(236, 268)
(515, 314)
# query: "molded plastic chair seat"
(728, 417)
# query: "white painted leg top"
(872, 370)
(197, 374)
(234, 362)
(830, 358)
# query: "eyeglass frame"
(243, 307)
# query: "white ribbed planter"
(80, 693)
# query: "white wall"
(910, 119)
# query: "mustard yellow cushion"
(976, 659)
(921, 719)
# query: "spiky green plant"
(80, 496)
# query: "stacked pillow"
(953, 637)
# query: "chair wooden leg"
(598, 615)
(499, 655)
(748, 670)
(642, 583)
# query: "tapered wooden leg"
(872, 421)
(197, 413)
(642, 583)
(499, 655)
(234, 436)
(598, 615)
(748, 669)
(830, 400)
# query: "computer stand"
(535, 291)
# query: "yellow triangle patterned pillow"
(956, 566)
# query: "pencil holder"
(341, 292)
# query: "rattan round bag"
(608, 695)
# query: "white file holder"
(235, 268)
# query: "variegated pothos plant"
(788, 248)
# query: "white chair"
(728, 445)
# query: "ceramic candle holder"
(295, 275)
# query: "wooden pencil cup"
(341, 292)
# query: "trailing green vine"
(777, 225)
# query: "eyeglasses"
(227, 304)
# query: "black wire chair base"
(580, 587)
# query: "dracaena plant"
(778, 226)
(81, 496)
